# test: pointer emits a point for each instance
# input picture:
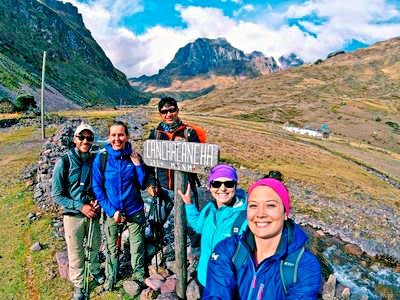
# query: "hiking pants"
(76, 229)
(135, 225)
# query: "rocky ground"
(162, 280)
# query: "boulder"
(329, 288)
(168, 286)
(132, 288)
(353, 250)
(36, 247)
(62, 262)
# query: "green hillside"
(76, 66)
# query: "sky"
(142, 36)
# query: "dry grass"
(10, 116)
(257, 146)
(348, 92)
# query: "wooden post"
(184, 158)
(180, 179)
(42, 96)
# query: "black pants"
(166, 203)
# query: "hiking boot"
(100, 278)
(79, 294)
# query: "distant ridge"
(211, 58)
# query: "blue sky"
(142, 36)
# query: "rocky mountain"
(290, 61)
(78, 72)
(356, 94)
(205, 59)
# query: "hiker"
(255, 264)
(218, 219)
(118, 176)
(161, 181)
(71, 189)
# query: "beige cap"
(83, 127)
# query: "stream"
(365, 276)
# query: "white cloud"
(340, 21)
(244, 8)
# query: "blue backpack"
(287, 267)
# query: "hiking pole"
(88, 254)
(121, 226)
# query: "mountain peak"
(290, 60)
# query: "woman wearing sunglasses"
(221, 218)
(256, 264)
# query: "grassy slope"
(25, 274)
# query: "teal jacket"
(214, 225)
(66, 190)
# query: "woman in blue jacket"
(253, 265)
(117, 187)
(218, 219)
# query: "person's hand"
(95, 205)
(135, 157)
(152, 191)
(118, 218)
(185, 197)
(89, 211)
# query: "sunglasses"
(89, 138)
(228, 184)
(169, 110)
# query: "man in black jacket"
(161, 182)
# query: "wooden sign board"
(180, 155)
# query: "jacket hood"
(127, 151)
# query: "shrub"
(25, 102)
(6, 106)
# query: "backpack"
(287, 267)
(201, 133)
(85, 171)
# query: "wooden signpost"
(183, 157)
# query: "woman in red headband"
(268, 261)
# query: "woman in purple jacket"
(255, 264)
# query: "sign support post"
(180, 179)
(183, 157)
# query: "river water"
(365, 276)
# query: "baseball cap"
(83, 127)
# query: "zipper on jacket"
(253, 286)
(260, 291)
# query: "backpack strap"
(239, 256)
(103, 161)
(67, 164)
(239, 222)
(288, 268)
(84, 176)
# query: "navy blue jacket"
(263, 281)
(119, 187)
